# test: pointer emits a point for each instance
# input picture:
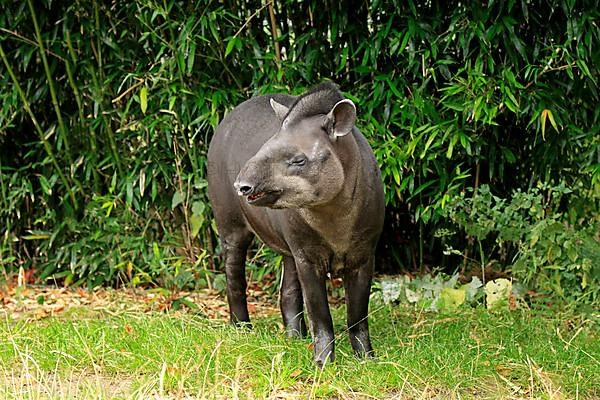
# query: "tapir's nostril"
(243, 188)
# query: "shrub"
(548, 253)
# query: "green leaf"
(343, 60)
(393, 88)
(144, 98)
(113, 183)
(154, 189)
(451, 146)
(554, 252)
(108, 205)
(396, 175)
(513, 104)
(129, 192)
(176, 200)
(198, 207)
(391, 289)
(231, 44)
(46, 188)
(543, 117)
(509, 155)
(552, 121)
(572, 253)
(472, 288)
(155, 250)
(584, 68)
(196, 221)
(450, 299)
(191, 58)
(412, 296)
(35, 237)
(423, 187)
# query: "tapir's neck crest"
(319, 100)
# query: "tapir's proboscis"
(297, 173)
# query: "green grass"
(471, 354)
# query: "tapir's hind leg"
(291, 301)
(235, 246)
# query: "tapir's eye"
(298, 161)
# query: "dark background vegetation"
(483, 115)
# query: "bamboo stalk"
(109, 131)
(470, 239)
(73, 85)
(38, 128)
(80, 112)
(40, 42)
(180, 72)
(95, 73)
(79, 103)
(3, 189)
(98, 40)
(274, 33)
(186, 228)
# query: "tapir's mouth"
(264, 198)
(256, 196)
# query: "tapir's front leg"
(357, 285)
(312, 278)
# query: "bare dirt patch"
(38, 384)
(37, 302)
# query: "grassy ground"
(128, 353)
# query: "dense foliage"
(106, 110)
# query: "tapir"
(296, 172)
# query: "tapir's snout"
(255, 194)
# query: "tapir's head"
(300, 165)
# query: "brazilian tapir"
(298, 174)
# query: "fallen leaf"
(503, 370)
(512, 302)
(497, 293)
(296, 373)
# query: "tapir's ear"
(340, 119)
(280, 110)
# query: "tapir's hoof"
(322, 362)
(242, 324)
(324, 357)
(295, 334)
(296, 330)
(366, 355)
